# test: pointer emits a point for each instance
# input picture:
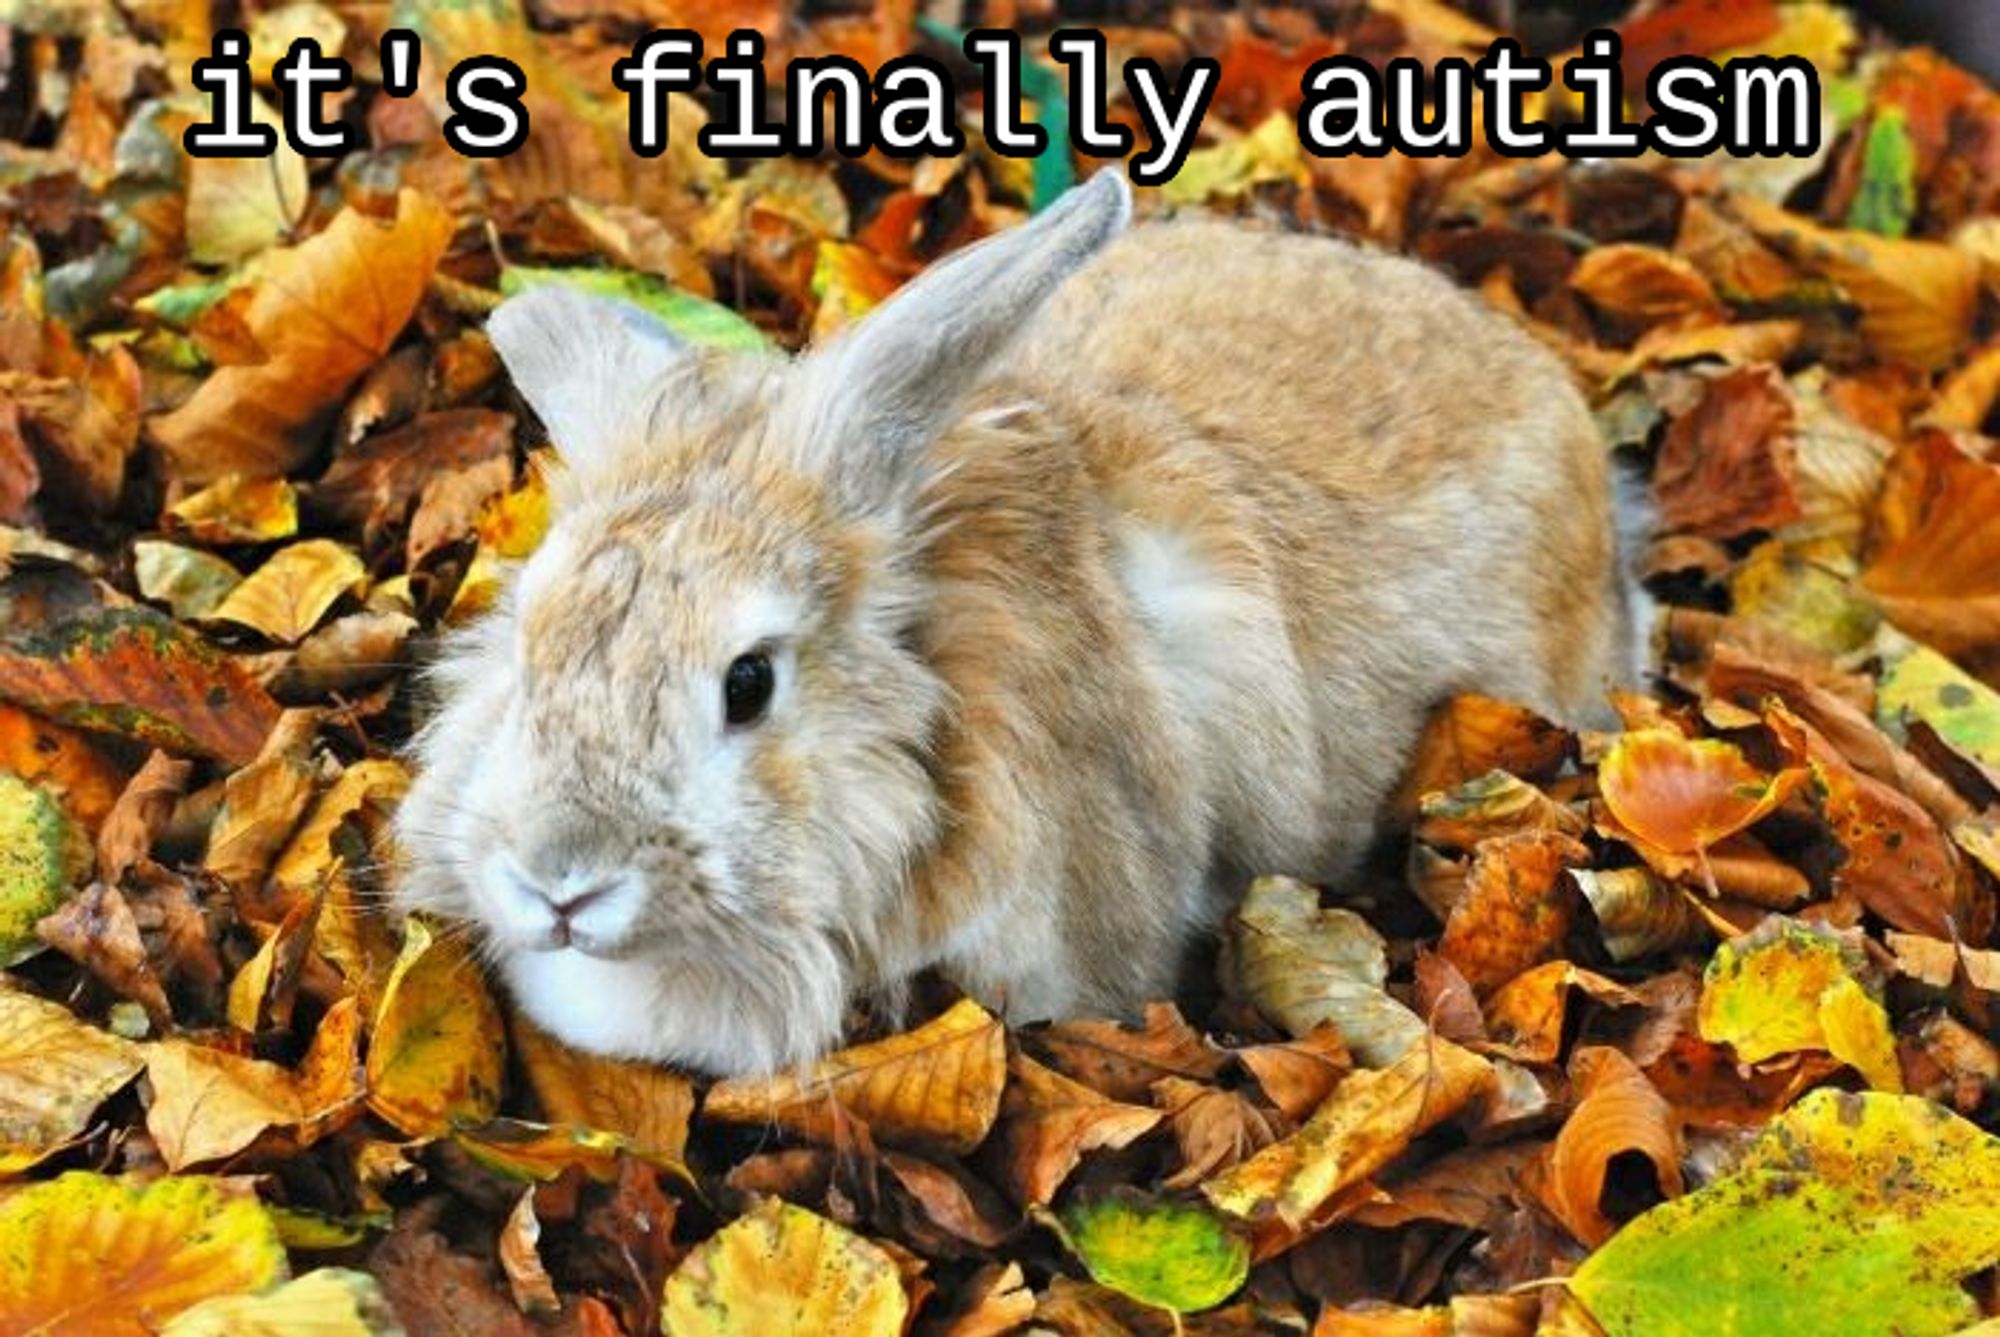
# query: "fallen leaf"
(533, 1292)
(1298, 1075)
(374, 483)
(208, 1104)
(1176, 1256)
(1918, 299)
(1367, 1122)
(327, 1302)
(1494, 804)
(1789, 987)
(1470, 736)
(1527, 1016)
(1934, 551)
(1303, 966)
(1124, 1063)
(287, 596)
(438, 1048)
(1728, 466)
(1680, 796)
(1849, 1212)
(1644, 285)
(72, 653)
(780, 1268)
(1938, 963)
(65, 763)
(995, 1302)
(938, 1085)
(325, 311)
(91, 1253)
(1517, 907)
(190, 582)
(1618, 1115)
(96, 930)
(1637, 913)
(54, 1073)
(42, 858)
(1052, 1123)
(648, 1105)
(239, 206)
(1213, 1128)
(1921, 684)
(236, 509)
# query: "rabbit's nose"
(548, 907)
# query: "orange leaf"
(72, 651)
(1052, 1121)
(1620, 1115)
(1682, 795)
(1934, 553)
(325, 311)
(1517, 907)
(1471, 735)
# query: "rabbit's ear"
(588, 366)
(875, 398)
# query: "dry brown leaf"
(938, 1085)
(1124, 1063)
(1367, 1122)
(1644, 285)
(1494, 804)
(1526, 1016)
(1728, 466)
(533, 1292)
(1052, 1122)
(138, 814)
(1213, 1128)
(1298, 1075)
(96, 930)
(1918, 299)
(325, 311)
(1303, 967)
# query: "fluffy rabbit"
(1004, 635)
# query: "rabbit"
(1007, 634)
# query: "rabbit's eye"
(747, 687)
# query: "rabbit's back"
(1335, 489)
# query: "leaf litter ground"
(1689, 1025)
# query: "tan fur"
(1163, 603)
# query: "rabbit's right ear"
(588, 366)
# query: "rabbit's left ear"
(873, 400)
(588, 366)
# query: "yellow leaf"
(1851, 1213)
(235, 509)
(647, 1105)
(331, 1302)
(1228, 170)
(208, 1104)
(286, 597)
(189, 581)
(938, 1085)
(1788, 988)
(325, 311)
(439, 1048)
(511, 525)
(42, 858)
(1368, 1121)
(54, 1073)
(380, 782)
(781, 1269)
(88, 1253)
(238, 207)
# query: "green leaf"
(41, 856)
(1174, 1255)
(1887, 198)
(1924, 685)
(695, 319)
(1852, 1213)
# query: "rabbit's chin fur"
(1094, 574)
